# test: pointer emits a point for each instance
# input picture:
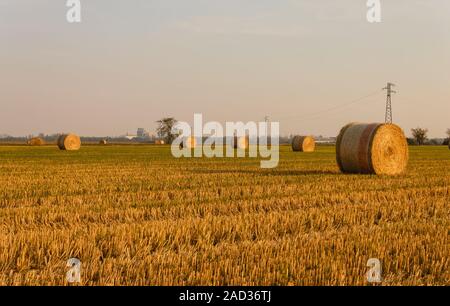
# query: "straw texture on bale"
(303, 144)
(190, 142)
(375, 148)
(69, 142)
(36, 141)
(241, 142)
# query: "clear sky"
(129, 63)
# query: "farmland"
(134, 215)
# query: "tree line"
(419, 135)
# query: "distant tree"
(164, 129)
(419, 135)
(447, 140)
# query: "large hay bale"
(103, 142)
(303, 144)
(190, 141)
(69, 142)
(375, 148)
(159, 142)
(36, 141)
(241, 142)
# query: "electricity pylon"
(388, 116)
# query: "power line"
(315, 114)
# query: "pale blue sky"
(130, 63)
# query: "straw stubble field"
(134, 215)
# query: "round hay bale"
(159, 142)
(190, 142)
(303, 144)
(69, 142)
(375, 148)
(36, 141)
(241, 142)
(103, 142)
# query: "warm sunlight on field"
(134, 215)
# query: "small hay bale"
(69, 142)
(103, 142)
(303, 144)
(241, 142)
(36, 141)
(190, 142)
(159, 142)
(375, 148)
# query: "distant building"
(326, 140)
(142, 133)
(130, 137)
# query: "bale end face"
(303, 144)
(69, 142)
(389, 150)
(241, 142)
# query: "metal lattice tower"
(388, 116)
